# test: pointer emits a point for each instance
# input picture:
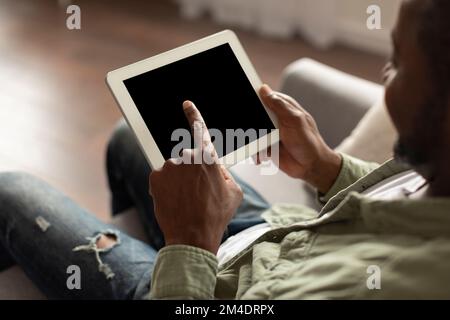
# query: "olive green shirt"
(354, 248)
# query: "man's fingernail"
(187, 104)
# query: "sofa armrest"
(335, 99)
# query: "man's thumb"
(272, 100)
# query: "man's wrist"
(198, 242)
(325, 171)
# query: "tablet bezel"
(115, 80)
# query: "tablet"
(216, 74)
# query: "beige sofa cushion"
(373, 138)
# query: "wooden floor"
(55, 111)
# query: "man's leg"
(52, 239)
(128, 176)
(128, 173)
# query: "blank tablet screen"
(215, 81)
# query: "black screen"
(214, 81)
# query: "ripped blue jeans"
(49, 235)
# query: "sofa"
(350, 115)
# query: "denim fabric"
(46, 232)
(46, 255)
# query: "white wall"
(352, 29)
(322, 22)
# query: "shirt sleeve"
(352, 170)
(184, 272)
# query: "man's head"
(418, 84)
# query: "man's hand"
(303, 153)
(194, 202)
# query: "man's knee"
(121, 139)
(106, 241)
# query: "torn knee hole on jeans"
(106, 241)
(101, 243)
